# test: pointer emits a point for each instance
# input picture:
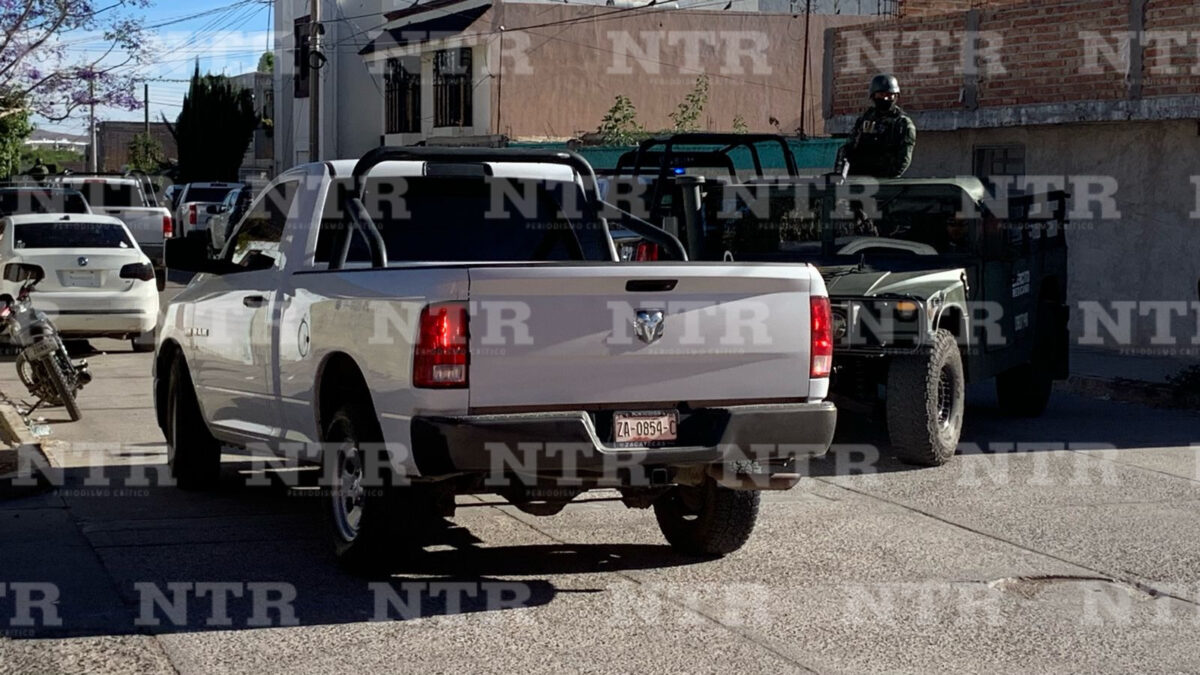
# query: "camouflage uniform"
(881, 144)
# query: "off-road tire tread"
(912, 403)
(62, 386)
(724, 527)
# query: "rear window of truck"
(457, 219)
(111, 194)
(70, 235)
(215, 195)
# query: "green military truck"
(934, 283)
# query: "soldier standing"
(881, 145)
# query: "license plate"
(651, 427)
(83, 279)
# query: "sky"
(228, 39)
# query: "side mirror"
(189, 254)
(22, 272)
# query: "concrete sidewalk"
(1135, 378)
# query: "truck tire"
(707, 520)
(160, 278)
(1024, 391)
(925, 402)
(193, 454)
(373, 526)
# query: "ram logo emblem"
(648, 325)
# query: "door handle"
(253, 300)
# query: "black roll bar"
(362, 218)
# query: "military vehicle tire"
(925, 402)
(1024, 391)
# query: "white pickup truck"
(431, 322)
(130, 200)
(197, 204)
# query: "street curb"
(19, 440)
(1153, 394)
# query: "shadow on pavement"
(1071, 422)
(123, 553)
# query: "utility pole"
(146, 107)
(314, 83)
(804, 76)
(92, 124)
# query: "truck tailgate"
(565, 335)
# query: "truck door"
(233, 325)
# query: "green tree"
(687, 115)
(14, 129)
(213, 129)
(620, 125)
(145, 153)
(266, 62)
(55, 159)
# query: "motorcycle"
(43, 364)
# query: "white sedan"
(98, 282)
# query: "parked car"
(934, 283)
(19, 199)
(197, 203)
(97, 283)
(339, 319)
(130, 199)
(228, 214)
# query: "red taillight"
(646, 251)
(440, 359)
(191, 214)
(822, 337)
(143, 271)
(168, 227)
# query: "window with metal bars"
(452, 88)
(403, 95)
(999, 161)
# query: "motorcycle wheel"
(58, 380)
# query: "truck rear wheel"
(1024, 391)
(925, 402)
(707, 520)
(373, 523)
(193, 454)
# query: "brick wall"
(1043, 54)
(1178, 71)
(1057, 51)
(892, 46)
(921, 8)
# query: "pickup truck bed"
(444, 342)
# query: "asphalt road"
(1065, 544)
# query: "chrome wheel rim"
(348, 494)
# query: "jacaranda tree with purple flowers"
(44, 73)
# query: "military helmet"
(884, 83)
